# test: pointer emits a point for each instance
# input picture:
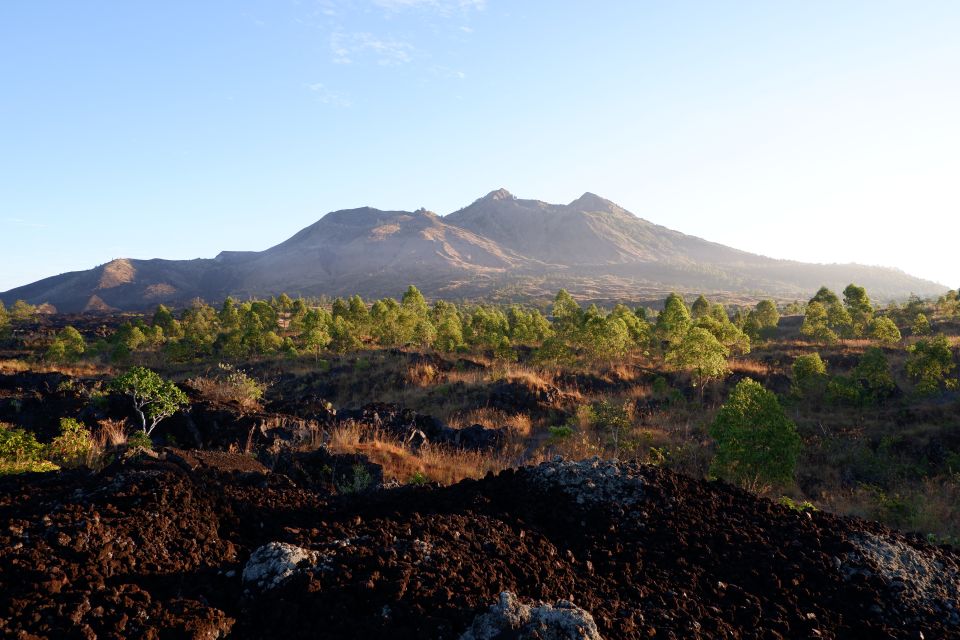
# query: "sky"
(819, 130)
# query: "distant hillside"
(500, 246)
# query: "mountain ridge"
(499, 246)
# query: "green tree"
(414, 302)
(700, 353)
(228, 316)
(768, 316)
(825, 296)
(755, 439)
(605, 338)
(700, 307)
(815, 324)
(4, 322)
(858, 304)
(637, 328)
(921, 326)
(751, 326)
(884, 330)
(809, 375)
(343, 338)
(153, 398)
(930, 363)
(674, 321)
(839, 320)
(567, 317)
(68, 346)
(315, 335)
(874, 374)
(726, 333)
(449, 336)
(527, 327)
(21, 312)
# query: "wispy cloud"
(325, 95)
(349, 47)
(23, 223)
(439, 6)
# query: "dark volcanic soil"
(157, 548)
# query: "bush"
(756, 442)
(930, 363)
(73, 446)
(20, 452)
(809, 375)
(153, 397)
(229, 385)
(140, 439)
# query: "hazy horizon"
(810, 132)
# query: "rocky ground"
(208, 545)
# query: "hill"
(499, 247)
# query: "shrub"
(73, 446)
(140, 439)
(20, 452)
(229, 384)
(358, 481)
(755, 439)
(929, 364)
(153, 397)
(809, 375)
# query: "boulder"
(510, 618)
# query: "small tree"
(700, 307)
(67, 346)
(930, 363)
(4, 321)
(768, 316)
(674, 321)
(809, 375)
(153, 398)
(700, 353)
(884, 330)
(921, 326)
(874, 374)
(815, 324)
(755, 439)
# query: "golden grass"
(738, 365)
(76, 370)
(402, 463)
(345, 437)
(519, 424)
(110, 433)
(422, 374)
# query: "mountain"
(500, 246)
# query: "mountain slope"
(499, 246)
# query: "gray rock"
(510, 618)
(273, 563)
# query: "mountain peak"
(590, 202)
(499, 194)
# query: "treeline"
(291, 327)
(698, 338)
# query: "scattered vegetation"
(836, 401)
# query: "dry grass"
(746, 365)
(111, 433)
(423, 374)
(519, 424)
(402, 463)
(345, 437)
(75, 370)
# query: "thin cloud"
(349, 47)
(325, 95)
(445, 7)
(25, 224)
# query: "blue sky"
(821, 131)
